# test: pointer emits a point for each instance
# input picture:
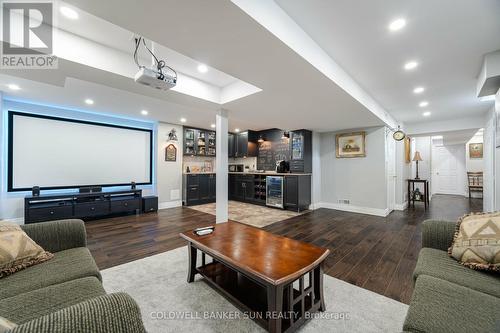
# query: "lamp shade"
(417, 156)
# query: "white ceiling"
(92, 27)
(447, 37)
(294, 93)
(449, 138)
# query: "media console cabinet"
(81, 205)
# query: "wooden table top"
(273, 258)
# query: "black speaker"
(132, 185)
(35, 191)
(95, 189)
(85, 189)
(149, 204)
(90, 189)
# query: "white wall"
(422, 145)
(474, 164)
(361, 180)
(489, 162)
(168, 174)
(316, 170)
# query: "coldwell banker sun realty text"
(27, 35)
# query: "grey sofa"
(449, 297)
(65, 294)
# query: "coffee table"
(276, 281)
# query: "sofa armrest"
(112, 313)
(55, 236)
(438, 234)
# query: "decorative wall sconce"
(172, 136)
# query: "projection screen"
(58, 153)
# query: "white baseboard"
(170, 204)
(17, 220)
(355, 209)
(402, 206)
(314, 206)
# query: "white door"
(448, 165)
(391, 172)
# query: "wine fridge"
(274, 191)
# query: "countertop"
(271, 173)
(267, 173)
(199, 173)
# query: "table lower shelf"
(251, 297)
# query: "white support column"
(221, 162)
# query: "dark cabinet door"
(241, 144)
(212, 185)
(230, 145)
(210, 142)
(239, 189)
(193, 195)
(204, 187)
(189, 141)
(231, 186)
(292, 192)
(249, 190)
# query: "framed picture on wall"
(475, 150)
(350, 145)
(170, 153)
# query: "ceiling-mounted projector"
(156, 76)
(155, 79)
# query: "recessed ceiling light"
(183, 120)
(202, 68)
(426, 114)
(237, 130)
(69, 12)
(397, 24)
(213, 125)
(411, 65)
(423, 104)
(418, 90)
(89, 101)
(144, 112)
(13, 86)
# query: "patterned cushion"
(17, 250)
(477, 241)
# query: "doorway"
(448, 170)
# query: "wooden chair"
(475, 182)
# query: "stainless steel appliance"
(274, 191)
(236, 167)
(282, 166)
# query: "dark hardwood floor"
(375, 253)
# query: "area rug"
(170, 304)
(254, 215)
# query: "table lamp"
(417, 158)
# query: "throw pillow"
(6, 325)
(17, 250)
(476, 243)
